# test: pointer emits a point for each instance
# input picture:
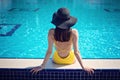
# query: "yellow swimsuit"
(70, 59)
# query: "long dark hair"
(62, 35)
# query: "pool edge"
(29, 63)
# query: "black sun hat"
(62, 19)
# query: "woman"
(64, 39)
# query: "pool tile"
(8, 32)
(63, 74)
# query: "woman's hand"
(36, 69)
(89, 70)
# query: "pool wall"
(62, 74)
(19, 69)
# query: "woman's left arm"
(48, 53)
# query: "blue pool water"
(24, 26)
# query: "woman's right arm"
(77, 52)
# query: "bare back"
(63, 48)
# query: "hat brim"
(65, 24)
(68, 23)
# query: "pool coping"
(29, 63)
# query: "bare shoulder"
(51, 31)
(74, 32)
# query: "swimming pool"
(24, 26)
